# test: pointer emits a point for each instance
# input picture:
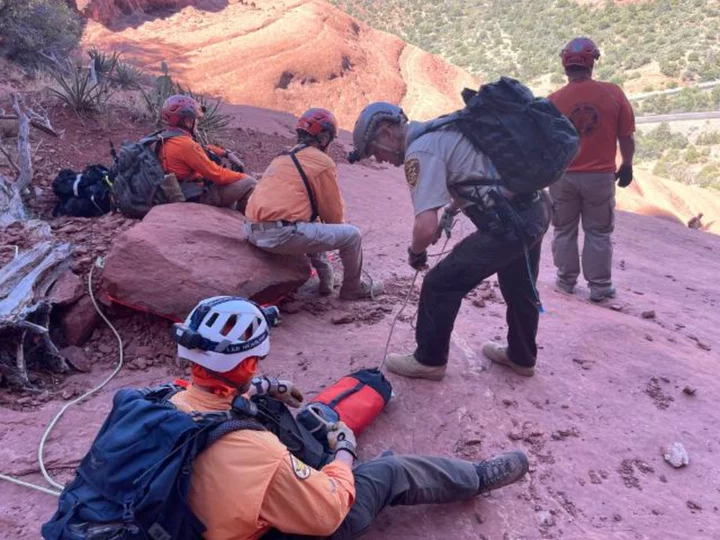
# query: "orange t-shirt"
(281, 195)
(601, 113)
(184, 157)
(248, 482)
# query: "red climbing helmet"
(178, 107)
(315, 121)
(581, 52)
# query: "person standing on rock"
(437, 163)
(603, 118)
(202, 179)
(297, 209)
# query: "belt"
(269, 225)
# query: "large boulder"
(182, 253)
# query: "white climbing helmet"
(223, 331)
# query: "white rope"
(41, 448)
(55, 420)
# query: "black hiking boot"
(501, 470)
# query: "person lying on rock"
(297, 209)
(198, 169)
(248, 483)
(439, 168)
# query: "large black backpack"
(139, 176)
(528, 140)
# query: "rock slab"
(182, 253)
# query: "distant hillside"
(646, 45)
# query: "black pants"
(400, 480)
(473, 260)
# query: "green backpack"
(140, 182)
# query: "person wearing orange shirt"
(297, 209)
(248, 485)
(604, 118)
(201, 179)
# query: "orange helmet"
(316, 121)
(580, 52)
(178, 107)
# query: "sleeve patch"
(412, 171)
(301, 470)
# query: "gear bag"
(134, 482)
(139, 176)
(356, 400)
(85, 194)
(528, 140)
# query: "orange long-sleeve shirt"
(248, 482)
(281, 194)
(184, 157)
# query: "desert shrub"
(37, 32)
(77, 88)
(127, 76)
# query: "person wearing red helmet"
(297, 208)
(604, 119)
(202, 178)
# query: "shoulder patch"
(412, 171)
(301, 470)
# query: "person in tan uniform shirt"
(297, 209)
(248, 485)
(201, 179)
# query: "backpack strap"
(311, 195)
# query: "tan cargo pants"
(233, 195)
(590, 196)
(314, 240)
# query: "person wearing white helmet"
(442, 166)
(248, 485)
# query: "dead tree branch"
(25, 159)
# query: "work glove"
(446, 223)
(341, 437)
(237, 163)
(282, 390)
(624, 175)
(418, 261)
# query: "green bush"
(78, 90)
(36, 32)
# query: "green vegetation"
(77, 88)
(37, 32)
(674, 156)
(690, 99)
(523, 39)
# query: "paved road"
(677, 117)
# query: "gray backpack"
(140, 182)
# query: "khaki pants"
(592, 197)
(233, 195)
(314, 240)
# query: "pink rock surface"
(607, 395)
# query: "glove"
(624, 175)
(446, 223)
(341, 437)
(418, 261)
(282, 390)
(237, 163)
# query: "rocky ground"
(616, 383)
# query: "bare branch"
(26, 173)
(9, 158)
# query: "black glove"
(418, 261)
(624, 175)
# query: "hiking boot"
(366, 290)
(407, 366)
(564, 286)
(598, 294)
(327, 281)
(498, 355)
(501, 470)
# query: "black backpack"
(139, 175)
(85, 194)
(134, 482)
(528, 139)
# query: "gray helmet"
(367, 123)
